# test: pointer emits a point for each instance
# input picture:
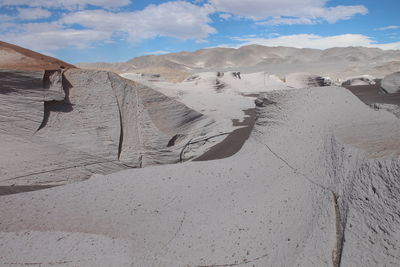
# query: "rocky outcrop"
(395, 109)
(298, 193)
(368, 193)
(263, 101)
(391, 83)
(22, 97)
(304, 80)
(67, 126)
(359, 80)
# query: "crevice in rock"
(121, 133)
(177, 231)
(69, 167)
(54, 105)
(340, 223)
(121, 124)
(245, 261)
(173, 140)
(337, 251)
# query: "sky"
(118, 30)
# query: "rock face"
(391, 83)
(22, 94)
(67, 126)
(302, 191)
(303, 80)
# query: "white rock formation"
(66, 127)
(391, 83)
(359, 80)
(301, 192)
(304, 80)
(395, 109)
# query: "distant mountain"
(16, 57)
(254, 57)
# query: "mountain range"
(280, 60)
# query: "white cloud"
(333, 14)
(67, 4)
(51, 36)
(391, 27)
(172, 19)
(308, 11)
(201, 41)
(158, 52)
(225, 16)
(287, 21)
(33, 13)
(4, 18)
(318, 42)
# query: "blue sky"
(117, 30)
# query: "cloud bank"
(83, 28)
(58, 24)
(299, 11)
(317, 42)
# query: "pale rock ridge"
(368, 191)
(391, 83)
(80, 122)
(22, 94)
(395, 109)
(359, 80)
(304, 80)
(317, 198)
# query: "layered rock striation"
(62, 126)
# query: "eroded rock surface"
(317, 197)
(59, 127)
(304, 80)
(391, 83)
(359, 80)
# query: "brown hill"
(16, 57)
